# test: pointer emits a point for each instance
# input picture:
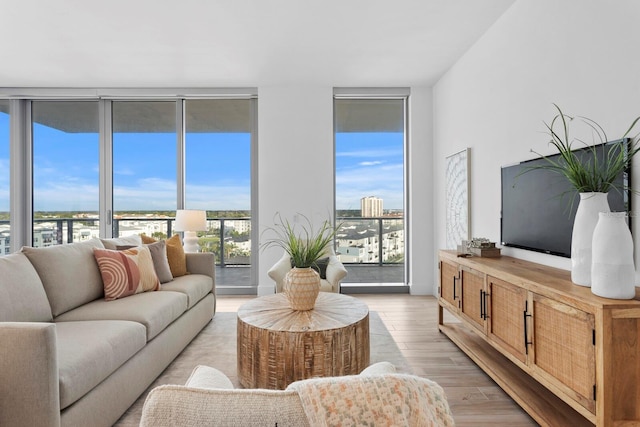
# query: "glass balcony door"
(144, 167)
(369, 188)
(66, 146)
(5, 226)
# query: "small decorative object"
(480, 246)
(588, 177)
(190, 221)
(305, 247)
(613, 270)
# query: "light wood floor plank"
(474, 398)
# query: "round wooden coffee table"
(278, 345)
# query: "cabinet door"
(564, 348)
(473, 305)
(506, 323)
(449, 288)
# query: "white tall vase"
(590, 206)
(613, 270)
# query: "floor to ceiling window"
(218, 177)
(65, 171)
(144, 167)
(5, 226)
(369, 187)
(103, 165)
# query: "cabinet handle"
(486, 305)
(455, 279)
(526, 333)
(483, 304)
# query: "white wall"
(295, 155)
(296, 169)
(582, 55)
(420, 158)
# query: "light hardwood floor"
(474, 398)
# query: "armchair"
(330, 283)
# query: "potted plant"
(305, 245)
(592, 177)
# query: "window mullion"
(106, 169)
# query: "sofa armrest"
(208, 377)
(202, 263)
(335, 272)
(174, 405)
(29, 389)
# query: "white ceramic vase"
(590, 206)
(613, 270)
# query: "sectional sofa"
(68, 357)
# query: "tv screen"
(539, 205)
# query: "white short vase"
(613, 270)
(591, 204)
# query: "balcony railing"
(360, 241)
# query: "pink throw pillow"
(126, 272)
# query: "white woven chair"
(331, 283)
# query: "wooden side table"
(278, 345)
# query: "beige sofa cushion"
(154, 310)
(175, 254)
(22, 297)
(194, 286)
(113, 243)
(90, 351)
(69, 273)
(160, 261)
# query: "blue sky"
(369, 164)
(218, 170)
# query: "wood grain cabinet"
(507, 306)
(449, 286)
(568, 357)
(472, 298)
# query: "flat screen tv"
(539, 205)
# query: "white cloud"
(373, 163)
(386, 152)
(384, 181)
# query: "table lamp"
(190, 221)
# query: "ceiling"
(237, 43)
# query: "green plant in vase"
(592, 172)
(305, 245)
(588, 174)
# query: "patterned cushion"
(175, 254)
(391, 399)
(126, 272)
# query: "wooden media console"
(568, 357)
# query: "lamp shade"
(190, 220)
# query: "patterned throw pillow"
(175, 254)
(126, 272)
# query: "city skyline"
(144, 170)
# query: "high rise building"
(370, 207)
